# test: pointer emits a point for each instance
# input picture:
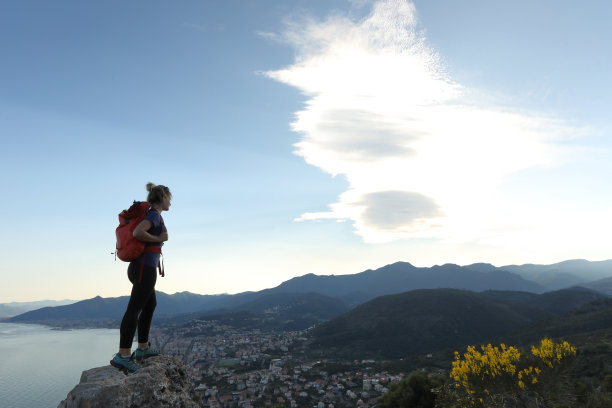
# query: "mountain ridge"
(352, 289)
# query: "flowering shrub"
(482, 370)
(504, 377)
(552, 353)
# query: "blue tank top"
(150, 258)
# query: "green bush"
(415, 391)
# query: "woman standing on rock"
(142, 272)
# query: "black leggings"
(141, 306)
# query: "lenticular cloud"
(382, 112)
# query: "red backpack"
(128, 247)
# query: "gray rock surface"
(161, 382)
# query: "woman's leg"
(139, 298)
(144, 321)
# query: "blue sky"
(298, 137)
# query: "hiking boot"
(141, 354)
(124, 363)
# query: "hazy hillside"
(96, 308)
(601, 285)
(563, 274)
(113, 308)
(297, 305)
(275, 312)
(286, 310)
(16, 308)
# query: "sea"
(40, 365)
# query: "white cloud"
(422, 159)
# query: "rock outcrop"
(161, 382)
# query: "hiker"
(142, 272)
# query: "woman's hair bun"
(157, 193)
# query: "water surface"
(39, 365)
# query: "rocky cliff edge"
(161, 382)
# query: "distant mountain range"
(557, 276)
(401, 277)
(17, 308)
(312, 299)
(110, 308)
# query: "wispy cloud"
(423, 158)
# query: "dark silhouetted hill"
(424, 321)
(546, 305)
(418, 321)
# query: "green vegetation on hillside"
(432, 321)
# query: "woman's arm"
(141, 234)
